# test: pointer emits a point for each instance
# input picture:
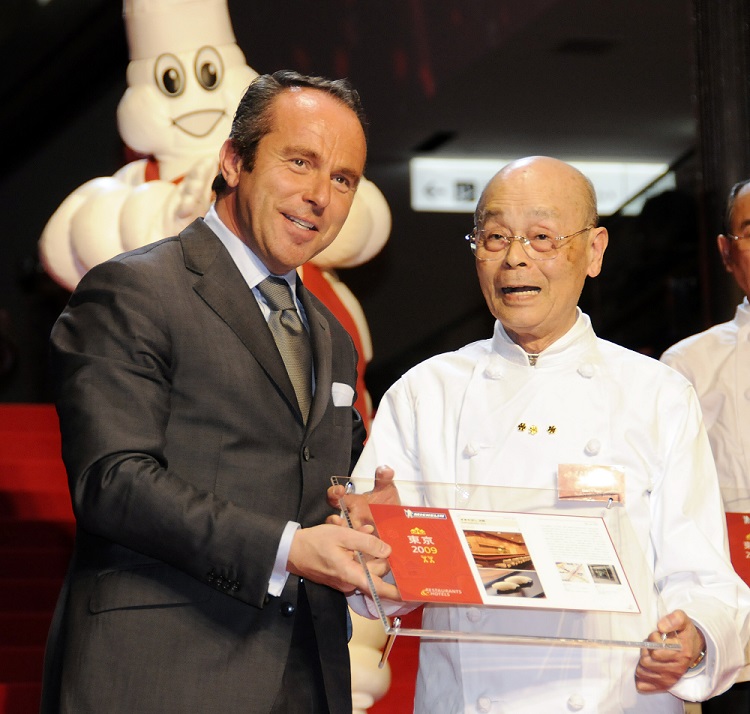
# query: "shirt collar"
(248, 263)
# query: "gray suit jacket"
(186, 456)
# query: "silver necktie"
(291, 338)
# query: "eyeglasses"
(489, 245)
(742, 242)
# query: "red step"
(37, 418)
(36, 538)
(34, 562)
(21, 664)
(35, 506)
(20, 697)
(28, 595)
(36, 534)
(20, 444)
(32, 474)
(24, 628)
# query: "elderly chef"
(545, 391)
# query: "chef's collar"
(571, 341)
(743, 312)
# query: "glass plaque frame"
(563, 626)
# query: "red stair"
(36, 537)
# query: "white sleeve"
(689, 537)
(279, 574)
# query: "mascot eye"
(208, 68)
(169, 75)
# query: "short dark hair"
(252, 120)
(730, 203)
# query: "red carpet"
(36, 537)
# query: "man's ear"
(230, 163)
(597, 246)
(723, 244)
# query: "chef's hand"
(659, 670)
(358, 505)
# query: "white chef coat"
(717, 362)
(455, 419)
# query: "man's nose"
(318, 191)
(516, 254)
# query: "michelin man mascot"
(185, 78)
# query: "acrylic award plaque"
(575, 563)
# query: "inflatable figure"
(185, 78)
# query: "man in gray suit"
(204, 578)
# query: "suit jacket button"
(306, 453)
(287, 609)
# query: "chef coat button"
(306, 453)
(494, 370)
(471, 449)
(593, 447)
(474, 614)
(586, 370)
(287, 609)
(484, 704)
(576, 702)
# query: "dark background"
(576, 79)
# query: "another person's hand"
(358, 505)
(327, 554)
(659, 670)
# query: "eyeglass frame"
(735, 239)
(524, 241)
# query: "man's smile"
(301, 223)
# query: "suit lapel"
(222, 287)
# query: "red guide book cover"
(427, 560)
(738, 529)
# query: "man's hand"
(358, 505)
(659, 670)
(327, 554)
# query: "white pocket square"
(343, 394)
